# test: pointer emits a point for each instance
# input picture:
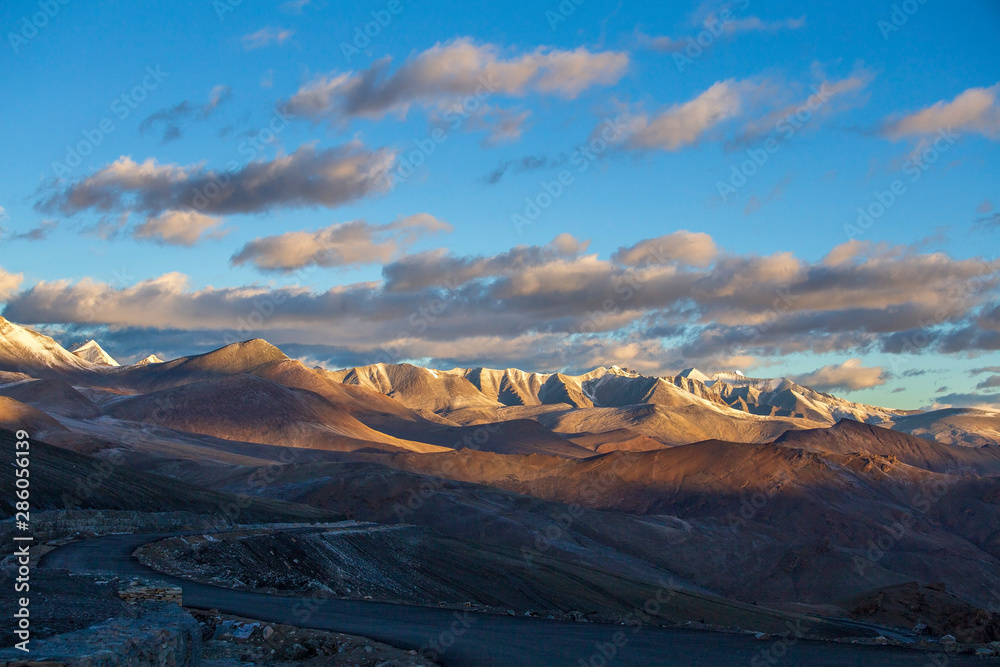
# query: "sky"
(551, 186)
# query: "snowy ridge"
(91, 351)
(23, 348)
(151, 359)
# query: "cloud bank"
(346, 244)
(655, 305)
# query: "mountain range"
(750, 491)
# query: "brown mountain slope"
(954, 426)
(849, 437)
(516, 436)
(760, 523)
(229, 360)
(622, 439)
(359, 400)
(620, 391)
(509, 387)
(15, 416)
(61, 479)
(54, 397)
(252, 409)
(417, 388)
(673, 426)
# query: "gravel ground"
(61, 602)
(285, 645)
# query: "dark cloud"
(917, 372)
(988, 223)
(171, 119)
(38, 233)
(992, 382)
(969, 400)
(308, 177)
(524, 164)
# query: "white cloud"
(9, 283)
(183, 228)
(685, 124)
(684, 247)
(266, 37)
(444, 73)
(345, 244)
(850, 375)
(974, 110)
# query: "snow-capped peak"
(151, 359)
(694, 374)
(94, 353)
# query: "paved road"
(486, 640)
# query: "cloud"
(266, 37)
(848, 376)
(526, 163)
(975, 110)
(806, 109)
(992, 382)
(683, 247)
(717, 23)
(38, 233)
(756, 203)
(745, 112)
(346, 244)
(674, 301)
(661, 43)
(308, 177)
(757, 24)
(445, 73)
(171, 119)
(988, 223)
(986, 206)
(181, 228)
(685, 124)
(294, 6)
(985, 369)
(438, 268)
(969, 400)
(503, 125)
(9, 283)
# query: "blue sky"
(102, 236)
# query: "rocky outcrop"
(163, 634)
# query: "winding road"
(487, 640)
